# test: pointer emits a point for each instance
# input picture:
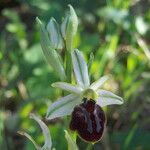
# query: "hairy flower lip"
(89, 121)
(93, 142)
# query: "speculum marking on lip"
(97, 120)
(88, 119)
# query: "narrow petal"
(63, 106)
(68, 87)
(80, 69)
(108, 98)
(97, 84)
(48, 142)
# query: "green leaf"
(130, 136)
(48, 143)
(71, 143)
(30, 138)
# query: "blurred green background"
(117, 32)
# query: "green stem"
(105, 140)
(89, 147)
(68, 65)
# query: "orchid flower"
(84, 102)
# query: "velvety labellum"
(88, 119)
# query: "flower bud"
(64, 26)
(50, 53)
(69, 28)
(56, 40)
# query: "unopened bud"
(69, 28)
(50, 53)
(56, 40)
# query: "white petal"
(63, 106)
(97, 84)
(80, 69)
(68, 87)
(48, 142)
(108, 98)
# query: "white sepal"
(46, 133)
(68, 87)
(108, 98)
(97, 84)
(80, 69)
(63, 106)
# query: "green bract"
(48, 143)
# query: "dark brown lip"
(88, 120)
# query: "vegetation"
(115, 33)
